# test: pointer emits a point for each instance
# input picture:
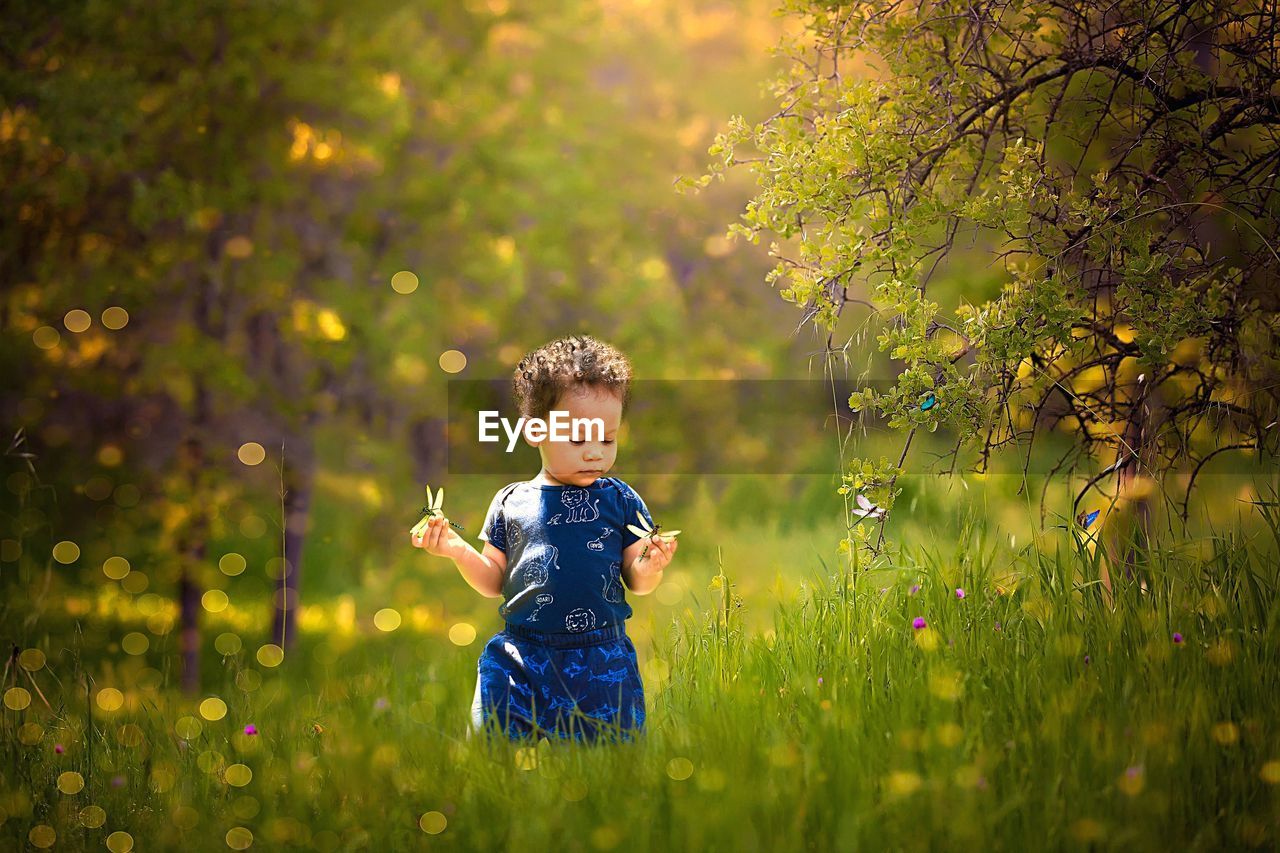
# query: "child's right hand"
(437, 537)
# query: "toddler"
(558, 552)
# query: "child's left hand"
(660, 553)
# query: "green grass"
(839, 726)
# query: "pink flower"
(918, 623)
(959, 592)
(117, 781)
(915, 587)
(1177, 638)
(251, 729)
(57, 747)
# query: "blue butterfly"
(1085, 519)
(928, 402)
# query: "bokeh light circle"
(46, 337)
(453, 361)
(110, 699)
(215, 601)
(239, 838)
(77, 320)
(251, 453)
(213, 709)
(119, 842)
(404, 282)
(92, 817)
(115, 568)
(270, 655)
(66, 552)
(17, 698)
(679, 768)
(228, 644)
(115, 318)
(70, 782)
(188, 727)
(135, 582)
(31, 659)
(42, 835)
(433, 823)
(232, 564)
(135, 643)
(462, 634)
(387, 619)
(238, 775)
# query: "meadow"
(957, 693)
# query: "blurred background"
(246, 249)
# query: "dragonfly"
(644, 530)
(432, 510)
(866, 509)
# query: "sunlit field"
(945, 333)
(960, 694)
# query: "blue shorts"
(582, 686)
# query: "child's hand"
(658, 557)
(437, 537)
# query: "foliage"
(1104, 152)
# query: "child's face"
(580, 463)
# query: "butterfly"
(431, 510)
(649, 532)
(1084, 519)
(866, 509)
(928, 402)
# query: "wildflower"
(117, 781)
(1086, 659)
(915, 587)
(316, 728)
(1177, 638)
(251, 729)
(997, 626)
(959, 592)
(919, 623)
(57, 747)
(381, 704)
(819, 679)
(1132, 782)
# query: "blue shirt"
(564, 552)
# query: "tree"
(1101, 145)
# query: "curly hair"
(543, 375)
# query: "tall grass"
(1040, 710)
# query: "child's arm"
(483, 571)
(642, 575)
